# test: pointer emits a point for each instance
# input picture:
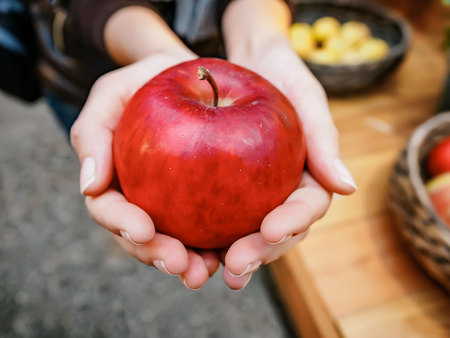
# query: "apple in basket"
(208, 160)
(438, 189)
(438, 160)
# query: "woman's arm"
(249, 26)
(135, 32)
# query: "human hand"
(91, 137)
(288, 223)
(267, 51)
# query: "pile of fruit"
(438, 187)
(327, 41)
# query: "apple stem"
(204, 74)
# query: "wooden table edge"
(308, 314)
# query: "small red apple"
(206, 168)
(438, 160)
(438, 189)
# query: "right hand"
(91, 137)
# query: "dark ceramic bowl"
(345, 79)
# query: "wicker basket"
(345, 79)
(425, 233)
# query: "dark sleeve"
(89, 18)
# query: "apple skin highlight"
(208, 175)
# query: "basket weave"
(425, 233)
(344, 79)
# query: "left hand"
(282, 228)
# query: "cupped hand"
(281, 229)
(91, 137)
(326, 174)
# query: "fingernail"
(284, 239)
(337, 197)
(125, 235)
(246, 282)
(344, 173)
(183, 280)
(161, 266)
(87, 174)
(252, 267)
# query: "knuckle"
(313, 209)
(333, 134)
(88, 202)
(103, 82)
(314, 89)
(318, 89)
(309, 209)
(144, 257)
(75, 134)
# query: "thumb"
(92, 136)
(322, 142)
(93, 145)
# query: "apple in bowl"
(208, 160)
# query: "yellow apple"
(323, 56)
(351, 57)
(354, 32)
(335, 43)
(373, 49)
(325, 27)
(301, 38)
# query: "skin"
(255, 33)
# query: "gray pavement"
(61, 275)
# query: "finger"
(165, 253)
(92, 134)
(235, 282)
(197, 273)
(247, 254)
(322, 141)
(115, 213)
(211, 259)
(323, 158)
(302, 208)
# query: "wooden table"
(353, 276)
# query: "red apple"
(438, 160)
(208, 174)
(438, 189)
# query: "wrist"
(251, 51)
(251, 27)
(135, 32)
